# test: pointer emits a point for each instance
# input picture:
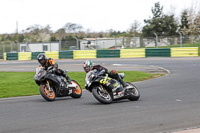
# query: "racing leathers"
(51, 63)
(112, 73)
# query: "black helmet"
(42, 58)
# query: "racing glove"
(101, 73)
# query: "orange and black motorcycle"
(52, 85)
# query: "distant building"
(99, 43)
(39, 47)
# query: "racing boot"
(68, 79)
(121, 89)
(122, 82)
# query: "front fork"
(73, 85)
(102, 89)
(48, 86)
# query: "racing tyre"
(101, 95)
(46, 94)
(76, 93)
(133, 93)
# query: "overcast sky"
(96, 15)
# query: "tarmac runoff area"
(197, 130)
(77, 67)
(22, 66)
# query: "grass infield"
(22, 83)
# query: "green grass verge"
(22, 83)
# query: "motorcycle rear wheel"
(133, 93)
(101, 96)
(46, 94)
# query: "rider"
(88, 65)
(46, 63)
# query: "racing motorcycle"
(52, 85)
(105, 89)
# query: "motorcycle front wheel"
(102, 95)
(76, 93)
(46, 94)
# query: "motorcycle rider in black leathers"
(46, 63)
(88, 66)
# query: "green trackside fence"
(66, 54)
(34, 55)
(12, 56)
(108, 53)
(161, 52)
(126, 53)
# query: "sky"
(96, 15)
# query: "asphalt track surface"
(167, 104)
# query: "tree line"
(163, 24)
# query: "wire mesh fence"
(68, 45)
(135, 42)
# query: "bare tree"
(36, 33)
(44, 34)
(134, 28)
(60, 34)
(72, 27)
(194, 21)
(43, 37)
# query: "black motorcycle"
(105, 89)
(52, 85)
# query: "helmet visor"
(87, 69)
(42, 61)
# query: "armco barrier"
(34, 55)
(12, 56)
(54, 55)
(184, 52)
(129, 53)
(108, 53)
(160, 52)
(66, 55)
(84, 54)
(24, 56)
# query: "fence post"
(18, 46)
(50, 46)
(11, 49)
(180, 38)
(123, 42)
(59, 45)
(27, 44)
(156, 39)
(96, 44)
(115, 41)
(76, 43)
(3, 49)
(134, 40)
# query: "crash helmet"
(42, 58)
(88, 65)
